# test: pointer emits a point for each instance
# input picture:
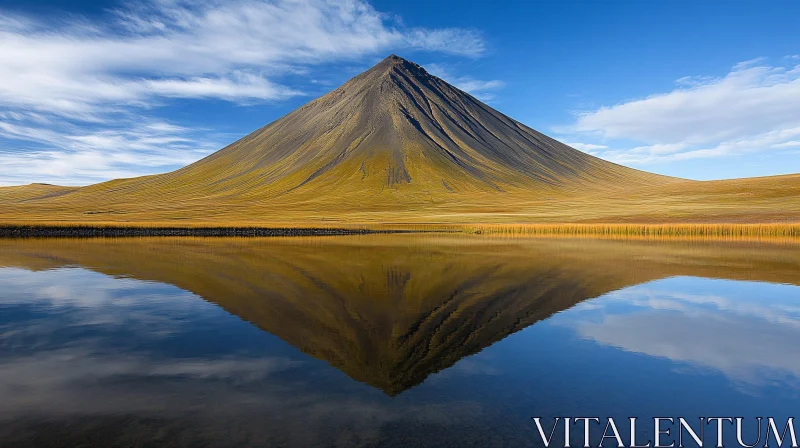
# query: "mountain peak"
(394, 59)
(394, 63)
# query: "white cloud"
(69, 155)
(235, 87)
(754, 107)
(449, 40)
(739, 348)
(586, 147)
(741, 337)
(789, 144)
(195, 49)
(58, 76)
(479, 88)
(685, 151)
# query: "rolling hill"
(397, 144)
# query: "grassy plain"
(745, 208)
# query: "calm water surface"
(385, 340)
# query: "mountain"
(395, 143)
(396, 130)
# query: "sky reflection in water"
(97, 351)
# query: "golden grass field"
(396, 146)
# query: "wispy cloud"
(88, 73)
(776, 140)
(449, 40)
(754, 107)
(735, 330)
(587, 147)
(69, 155)
(195, 49)
(483, 90)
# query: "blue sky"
(94, 90)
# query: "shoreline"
(769, 231)
(136, 231)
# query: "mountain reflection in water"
(388, 311)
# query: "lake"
(388, 340)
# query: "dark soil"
(89, 232)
